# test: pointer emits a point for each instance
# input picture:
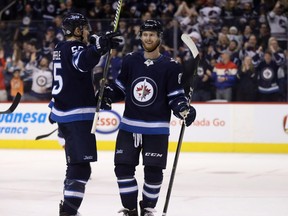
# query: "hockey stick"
(13, 105)
(45, 135)
(105, 71)
(192, 47)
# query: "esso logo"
(108, 122)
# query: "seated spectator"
(224, 77)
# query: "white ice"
(206, 184)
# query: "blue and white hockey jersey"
(73, 91)
(152, 88)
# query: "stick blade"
(191, 45)
(14, 104)
(45, 135)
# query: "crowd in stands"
(242, 43)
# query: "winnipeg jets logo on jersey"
(267, 74)
(148, 62)
(144, 91)
(41, 81)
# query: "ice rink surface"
(206, 184)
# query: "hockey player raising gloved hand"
(104, 42)
(73, 105)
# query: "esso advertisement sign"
(108, 122)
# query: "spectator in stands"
(233, 50)
(50, 9)
(6, 34)
(283, 85)
(27, 28)
(3, 92)
(115, 65)
(268, 79)
(48, 43)
(248, 14)
(42, 79)
(95, 11)
(230, 12)
(224, 77)
(187, 18)
(250, 48)
(202, 89)
(168, 36)
(210, 16)
(278, 23)
(246, 89)
(263, 36)
(233, 34)
(57, 22)
(16, 83)
(222, 43)
(277, 53)
(247, 32)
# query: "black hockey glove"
(106, 102)
(103, 43)
(50, 119)
(185, 112)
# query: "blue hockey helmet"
(73, 20)
(151, 25)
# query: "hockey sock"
(73, 195)
(128, 189)
(150, 194)
(152, 186)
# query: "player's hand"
(105, 42)
(185, 112)
(106, 102)
(50, 119)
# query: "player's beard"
(150, 48)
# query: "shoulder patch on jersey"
(174, 60)
(144, 91)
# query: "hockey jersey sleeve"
(86, 59)
(176, 93)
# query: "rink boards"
(219, 127)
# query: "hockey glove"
(105, 42)
(106, 101)
(50, 119)
(185, 112)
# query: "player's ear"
(77, 31)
